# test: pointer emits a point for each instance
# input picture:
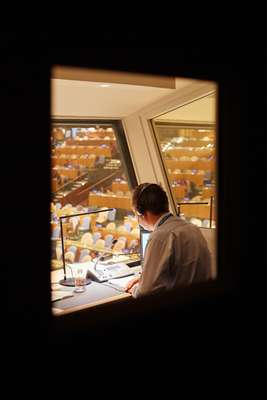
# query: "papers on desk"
(60, 294)
(121, 283)
(57, 311)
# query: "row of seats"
(77, 161)
(57, 210)
(82, 224)
(100, 244)
(71, 255)
(95, 239)
(85, 225)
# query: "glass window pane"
(89, 235)
(187, 141)
(90, 170)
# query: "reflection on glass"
(111, 234)
(187, 140)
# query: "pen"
(63, 297)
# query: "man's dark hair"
(150, 197)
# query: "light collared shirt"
(159, 221)
(176, 254)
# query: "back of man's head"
(150, 197)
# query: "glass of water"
(79, 274)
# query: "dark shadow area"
(188, 328)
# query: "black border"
(187, 328)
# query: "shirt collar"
(160, 219)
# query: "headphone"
(140, 209)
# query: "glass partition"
(85, 236)
(186, 138)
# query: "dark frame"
(26, 86)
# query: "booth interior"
(109, 134)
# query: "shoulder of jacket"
(160, 235)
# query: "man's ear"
(148, 215)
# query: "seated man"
(176, 254)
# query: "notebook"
(121, 283)
(60, 294)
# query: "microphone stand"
(103, 254)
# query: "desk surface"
(95, 294)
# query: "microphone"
(101, 257)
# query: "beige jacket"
(176, 254)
